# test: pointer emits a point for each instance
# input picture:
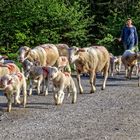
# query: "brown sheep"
(129, 59)
(90, 60)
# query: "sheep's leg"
(47, 86)
(130, 72)
(38, 84)
(105, 76)
(55, 96)
(9, 104)
(79, 84)
(31, 87)
(60, 97)
(68, 92)
(112, 69)
(92, 81)
(126, 72)
(74, 93)
(24, 93)
(116, 68)
(137, 69)
(119, 68)
(43, 85)
(139, 78)
(17, 96)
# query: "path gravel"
(111, 114)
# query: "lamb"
(61, 81)
(11, 85)
(37, 74)
(115, 64)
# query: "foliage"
(74, 22)
(40, 21)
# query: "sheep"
(46, 54)
(115, 64)
(36, 74)
(129, 59)
(90, 60)
(11, 85)
(61, 81)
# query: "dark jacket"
(129, 35)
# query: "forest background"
(78, 23)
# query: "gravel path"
(111, 114)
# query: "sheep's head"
(5, 81)
(53, 72)
(23, 53)
(73, 54)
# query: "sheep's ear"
(75, 48)
(10, 81)
(36, 63)
(55, 69)
(28, 51)
(61, 68)
(26, 48)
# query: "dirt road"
(111, 114)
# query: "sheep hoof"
(58, 104)
(92, 91)
(46, 94)
(73, 102)
(29, 94)
(8, 111)
(102, 88)
(81, 92)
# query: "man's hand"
(119, 39)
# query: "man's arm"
(136, 36)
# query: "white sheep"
(11, 85)
(61, 81)
(36, 74)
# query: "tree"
(39, 21)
